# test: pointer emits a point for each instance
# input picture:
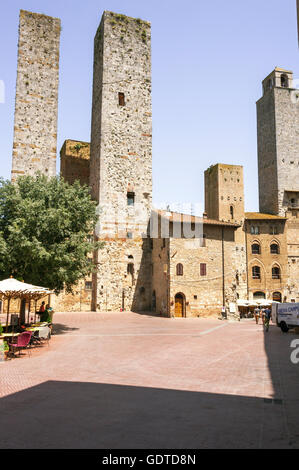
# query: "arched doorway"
(179, 310)
(276, 296)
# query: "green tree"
(45, 225)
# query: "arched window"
(276, 296)
(231, 210)
(179, 269)
(275, 272)
(284, 81)
(274, 249)
(256, 272)
(131, 257)
(255, 249)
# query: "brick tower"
(278, 156)
(121, 161)
(35, 125)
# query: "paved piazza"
(124, 380)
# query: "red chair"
(23, 341)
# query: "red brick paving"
(231, 366)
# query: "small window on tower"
(131, 199)
(121, 99)
(203, 269)
(231, 210)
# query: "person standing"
(256, 315)
(41, 310)
(223, 313)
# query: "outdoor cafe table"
(10, 335)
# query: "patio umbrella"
(13, 289)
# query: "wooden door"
(179, 306)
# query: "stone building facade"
(267, 256)
(152, 260)
(196, 274)
(35, 123)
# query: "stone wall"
(292, 227)
(35, 124)
(121, 157)
(287, 145)
(74, 161)
(160, 276)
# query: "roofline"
(197, 219)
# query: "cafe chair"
(23, 341)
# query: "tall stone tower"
(121, 161)
(35, 125)
(224, 201)
(278, 143)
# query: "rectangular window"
(203, 269)
(88, 285)
(130, 235)
(254, 230)
(273, 230)
(121, 99)
(130, 199)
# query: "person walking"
(263, 315)
(267, 318)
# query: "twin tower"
(121, 142)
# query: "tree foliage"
(45, 225)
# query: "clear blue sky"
(209, 58)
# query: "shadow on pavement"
(60, 329)
(102, 416)
(284, 404)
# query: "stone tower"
(74, 161)
(35, 124)
(224, 193)
(224, 201)
(278, 139)
(121, 161)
